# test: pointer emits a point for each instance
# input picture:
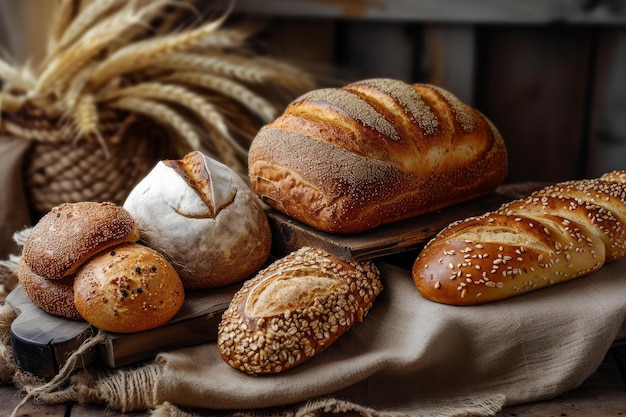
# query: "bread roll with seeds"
(350, 159)
(54, 296)
(558, 233)
(128, 288)
(71, 233)
(294, 309)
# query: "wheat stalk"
(67, 62)
(65, 13)
(161, 114)
(257, 104)
(227, 38)
(15, 77)
(86, 121)
(75, 28)
(246, 69)
(142, 53)
(184, 97)
(11, 103)
(143, 57)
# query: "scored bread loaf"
(558, 233)
(295, 308)
(347, 160)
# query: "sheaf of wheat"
(161, 59)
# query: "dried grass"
(158, 58)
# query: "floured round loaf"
(69, 234)
(374, 152)
(204, 218)
(294, 309)
(128, 288)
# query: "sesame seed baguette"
(294, 309)
(347, 160)
(558, 233)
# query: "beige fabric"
(14, 213)
(417, 357)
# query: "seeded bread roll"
(204, 218)
(558, 233)
(294, 309)
(54, 296)
(349, 159)
(128, 288)
(69, 234)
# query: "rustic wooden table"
(602, 394)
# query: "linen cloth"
(14, 213)
(416, 357)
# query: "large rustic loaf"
(350, 159)
(294, 309)
(558, 233)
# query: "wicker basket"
(61, 167)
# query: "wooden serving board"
(42, 342)
(290, 234)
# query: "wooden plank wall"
(551, 87)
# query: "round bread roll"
(204, 218)
(128, 288)
(52, 296)
(69, 234)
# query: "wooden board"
(42, 343)
(290, 234)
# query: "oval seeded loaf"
(294, 309)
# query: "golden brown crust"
(294, 309)
(52, 296)
(204, 218)
(558, 233)
(374, 152)
(128, 288)
(71, 233)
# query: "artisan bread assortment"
(61, 242)
(128, 288)
(294, 309)
(558, 233)
(349, 159)
(204, 218)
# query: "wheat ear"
(88, 17)
(10, 102)
(161, 114)
(86, 120)
(178, 95)
(252, 70)
(257, 104)
(15, 77)
(228, 38)
(141, 54)
(66, 63)
(64, 14)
